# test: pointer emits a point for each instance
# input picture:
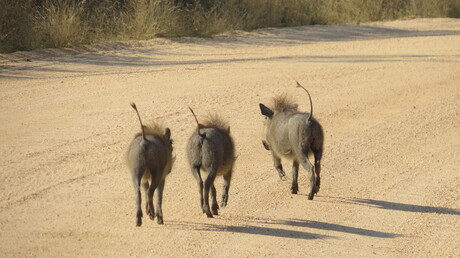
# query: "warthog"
(293, 135)
(211, 149)
(150, 159)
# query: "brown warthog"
(211, 149)
(150, 159)
(293, 135)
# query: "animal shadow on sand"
(403, 207)
(329, 227)
(265, 227)
(248, 229)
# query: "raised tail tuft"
(133, 105)
(197, 123)
(311, 103)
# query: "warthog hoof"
(282, 175)
(207, 211)
(160, 220)
(310, 196)
(150, 212)
(316, 189)
(139, 218)
(215, 209)
(224, 201)
(294, 189)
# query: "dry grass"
(15, 25)
(146, 19)
(61, 24)
(26, 25)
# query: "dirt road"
(387, 94)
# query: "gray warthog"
(211, 149)
(293, 135)
(150, 159)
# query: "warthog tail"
(311, 103)
(140, 121)
(197, 124)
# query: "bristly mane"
(215, 121)
(283, 103)
(152, 128)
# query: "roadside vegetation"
(34, 24)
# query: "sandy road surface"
(387, 94)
